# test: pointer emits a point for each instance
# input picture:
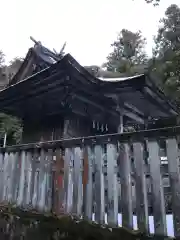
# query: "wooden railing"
(92, 177)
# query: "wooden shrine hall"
(78, 153)
(58, 98)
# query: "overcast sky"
(89, 27)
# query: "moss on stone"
(17, 223)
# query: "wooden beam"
(151, 84)
(133, 116)
(31, 84)
(164, 110)
(52, 102)
(130, 113)
(138, 135)
(134, 109)
(162, 103)
(96, 105)
(24, 96)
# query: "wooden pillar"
(146, 122)
(120, 128)
(65, 130)
(5, 139)
(121, 124)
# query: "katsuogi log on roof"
(37, 59)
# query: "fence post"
(112, 214)
(126, 185)
(99, 185)
(141, 188)
(67, 172)
(157, 189)
(174, 175)
(77, 182)
(88, 184)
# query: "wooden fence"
(97, 176)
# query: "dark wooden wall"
(57, 127)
